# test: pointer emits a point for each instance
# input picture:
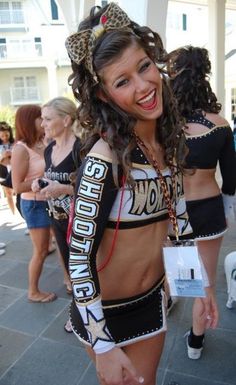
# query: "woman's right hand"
(35, 186)
(210, 313)
(114, 367)
(5, 157)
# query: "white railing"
(3, 51)
(20, 50)
(11, 16)
(20, 95)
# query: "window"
(184, 18)
(177, 21)
(17, 14)
(18, 81)
(38, 45)
(3, 48)
(25, 89)
(11, 12)
(54, 10)
(5, 17)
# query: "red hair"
(26, 130)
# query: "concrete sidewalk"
(35, 350)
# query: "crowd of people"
(115, 174)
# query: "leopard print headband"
(80, 45)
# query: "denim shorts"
(35, 213)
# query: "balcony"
(24, 95)
(20, 50)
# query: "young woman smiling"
(129, 184)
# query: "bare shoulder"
(19, 151)
(19, 155)
(101, 148)
(217, 119)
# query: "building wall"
(49, 64)
(63, 86)
(34, 64)
(183, 22)
(196, 34)
(7, 84)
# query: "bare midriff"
(202, 184)
(136, 264)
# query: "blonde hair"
(64, 106)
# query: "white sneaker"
(193, 353)
(2, 245)
(2, 252)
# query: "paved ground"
(35, 350)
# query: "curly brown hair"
(107, 120)
(4, 126)
(190, 69)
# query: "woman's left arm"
(227, 163)
(55, 189)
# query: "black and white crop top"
(206, 149)
(96, 207)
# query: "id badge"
(183, 268)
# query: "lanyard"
(108, 257)
(153, 161)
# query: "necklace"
(153, 161)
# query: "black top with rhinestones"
(209, 148)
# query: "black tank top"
(63, 173)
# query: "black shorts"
(129, 320)
(207, 217)
(3, 171)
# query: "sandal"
(68, 288)
(51, 249)
(48, 297)
(68, 327)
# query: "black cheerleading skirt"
(129, 320)
(207, 217)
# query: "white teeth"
(149, 97)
